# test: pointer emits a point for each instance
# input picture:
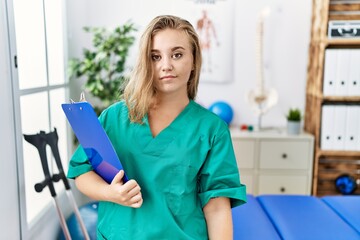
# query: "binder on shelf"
(330, 70)
(327, 127)
(93, 139)
(342, 74)
(353, 88)
(339, 127)
(344, 29)
(351, 129)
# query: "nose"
(167, 65)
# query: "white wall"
(287, 35)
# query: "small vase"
(293, 127)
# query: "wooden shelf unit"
(328, 164)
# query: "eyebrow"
(172, 49)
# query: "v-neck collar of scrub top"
(156, 145)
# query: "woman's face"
(172, 58)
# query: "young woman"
(178, 155)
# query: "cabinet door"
(284, 154)
(282, 184)
(244, 152)
(247, 180)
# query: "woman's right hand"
(126, 194)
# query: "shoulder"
(212, 122)
(115, 111)
(117, 107)
(204, 114)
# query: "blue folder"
(93, 139)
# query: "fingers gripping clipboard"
(93, 139)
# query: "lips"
(167, 77)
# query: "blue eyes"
(157, 57)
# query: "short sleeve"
(79, 163)
(219, 176)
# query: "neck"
(164, 111)
(171, 102)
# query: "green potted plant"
(103, 66)
(293, 121)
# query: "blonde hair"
(139, 92)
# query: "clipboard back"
(93, 139)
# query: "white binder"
(327, 127)
(342, 74)
(339, 127)
(351, 129)
(330, 71)
(353, 88)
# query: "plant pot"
(293, 127)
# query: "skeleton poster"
(214, 23)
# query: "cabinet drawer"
(284, 154)
(244, 152)
(282, 184)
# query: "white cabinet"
(274, 162)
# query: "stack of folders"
(340, 128)
(342, 72)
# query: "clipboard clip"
(82, 98)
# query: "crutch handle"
(56, 177)
(52, 139)
(41, 185)
(40, 144)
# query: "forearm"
(218, 219)
(92, 185)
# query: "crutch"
(52, 139)
(40, 141)
(40, 144)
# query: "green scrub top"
(179, 171)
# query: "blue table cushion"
(251, 223)
(347, 207)
(305, 218)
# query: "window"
(42, 87)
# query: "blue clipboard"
(93, 139)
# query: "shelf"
(350, 99)
(344, 16)
(353, 42)
(325, 153)
(340, 6)
(317, 95)
(341, 161)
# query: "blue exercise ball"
(223, 110)
(89, 215)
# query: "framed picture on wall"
(214, 23)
